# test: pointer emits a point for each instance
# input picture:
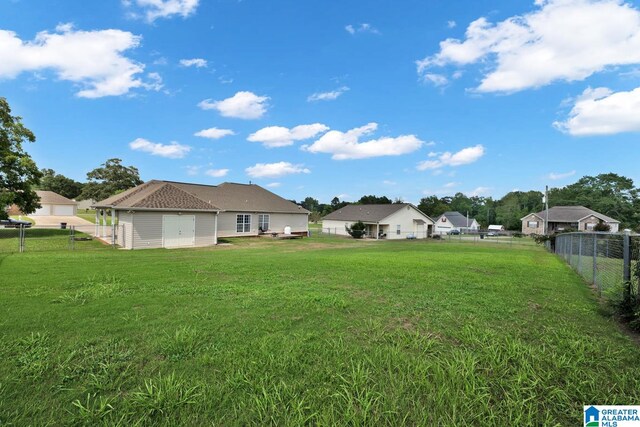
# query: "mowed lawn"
(322, 331)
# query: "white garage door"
(178, 231)
(44, 210)
(63, 210)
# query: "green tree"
(112, 178)
(18, 172)
(60, 184)
(357, 230)
(374, 200)
(608, 193)
(310, 204)
(433, 206)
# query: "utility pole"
(545, 199)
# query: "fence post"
(626, 255)
(595, 263)
(21, 239)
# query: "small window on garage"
(398, 229)
(243, 223)
(532, 224)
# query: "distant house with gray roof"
(455, 222)
(387, 221)
(166, 214)
(567, 217)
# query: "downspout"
(215, 228)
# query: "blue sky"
(330, 98)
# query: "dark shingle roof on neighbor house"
(365, 213)
(52, 198)
(456, 219)
(572, 214)
(169, 195)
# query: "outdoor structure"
(562, 218)
(166, 214)
(53, 204)
(388, 221)
(495, 227)
(456, 222)
(84, 205)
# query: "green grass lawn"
(316, 331)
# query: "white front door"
(178, 230)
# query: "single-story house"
(83, 205)
(389, 221)
(455, 221)
(166, 214)
(567, 217)
(495, 227)
(52, 204)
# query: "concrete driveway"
(55, 220)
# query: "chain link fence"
(505, 237)
(603, 259)
(55, 238)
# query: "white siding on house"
(404, 218)
(299, 223)
(69, 210)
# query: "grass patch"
(322, 331)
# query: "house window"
(263, 222)
(589, 227)
(243, 223)
(532, 224)
(398, 229)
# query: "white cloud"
(275, 170)
(603, 112)
(92, 59)
(278, 136)
(171, 151)
(195, 62)
(450, 185)
(217, 173)
(435, 79)
(556, 176)
(192, 170)
(274, 185)
(154, 9)
(242, 105)
(362, 28)
(462, 157)
(214, 133)
(346, 145)
(479, 191)
(389, 182)
(562, 40)
(451, 24)
(327, 96)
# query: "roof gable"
(53, 198)
(457, 219)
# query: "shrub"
(602, 226)
(356, 230)
(626, 303)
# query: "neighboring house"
(494, 227)
(390, 221)
(52, 204)
(166, 214)
(567, 217)
(84, 205)
(455, 221)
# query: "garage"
(53, 204)
(178, 231)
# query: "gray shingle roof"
(572, 214)
(52, 198)
(170, 195)
(456, 219)
(365, 213)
